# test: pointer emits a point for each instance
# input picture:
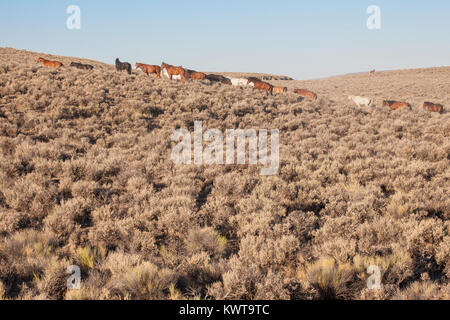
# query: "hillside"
(86, 178)
(414, 86)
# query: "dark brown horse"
(81, 66)
(433, 107)
(120, 66)
(218, 78)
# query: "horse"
(306, 93)
(50, 64)
(81, 66)
(218, 78)
(239, 82)
(120, 66)
(166, 75)
(394, 105)
(433, 107)
(360, 101)
(172, 70)
(280, 90)
(194, 75)
(261, 85)
(149, 69)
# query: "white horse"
(360, 101)
(239, 82)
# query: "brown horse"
(261, 85)
(172, 71)
(194, 75)
(433, 107)
(372, 72)
(50, 64)
(280, 90)
(148, 69)
(394, 105)
(306, 93)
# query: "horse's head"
(137, 65)
(40, 60)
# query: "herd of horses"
(180, 73)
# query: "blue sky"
(302, 39)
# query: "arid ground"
(86, 179)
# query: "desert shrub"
(23, 257)
(269, 253)
(198, 272)
(238, 282)
(205, 240)
(2, 291)
(144, 282)
(422, 244)
(423, 290)
(67, 218)
(329, 279)
(53, 283)
(86, 178)
(443, 255)
(87, 258)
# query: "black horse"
(120, 66)
(218, 78)
(81, 66)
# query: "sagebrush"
(86, 179)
